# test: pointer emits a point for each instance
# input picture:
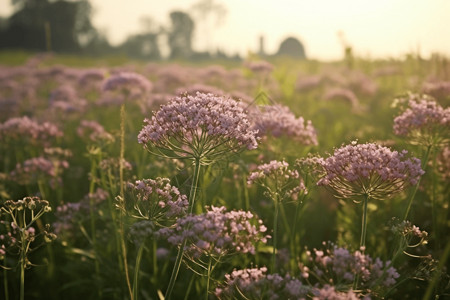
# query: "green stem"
(122, 213)
(416, 187)
(136, 271)
(22, 267)
(275, 229)
(437, 273)
(176, 267)
(434, 210)
(5, 282)
(209, 277)
(362, 243)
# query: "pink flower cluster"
(94, 131)
(423, 116)
(199, 126)
(342, 94)
(38, 168)
(217, 232)
(127, 81)
(157, 200)
(259, 66)
(277, 175)
(338, 266)
(17, 128)
(256, 284)
(368, 169)
(278, 120)
(329, 292)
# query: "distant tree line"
(65, 26)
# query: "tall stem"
(5, 282)
(411, 198)
(122, 213)
(362, 243)
(136, 271)
(209, 277)
(23, 264)
(275, 230)
(176, 267)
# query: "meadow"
(263, 179)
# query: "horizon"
(406, 26)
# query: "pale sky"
(374, 28)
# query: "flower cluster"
(342, 94)
(141, 230)
(254, 283)
(278, 120)
(443, 163)
(412, 234)
(127, 81)
(259, 66)
(93, 131)
(157, 200)
(338, 266)
(278, 178)
(34, 169)
(217, 232)
(203, 127)
(424, 121)
(368, 169)
(70, 214)
(18, 128)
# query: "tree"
(180, 35)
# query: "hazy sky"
(375, 28)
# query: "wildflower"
(259, 66)
(127, 81)
(368, 169)
(36, 133)
(157, 200)
(254, 283)
(217, 233)
(425, 122)
(306, 83)
(141, 230)
(278, 178)
(342, 94)
(278, 120)
(34, 169)
(202, 127)
(93, 131)
(338, 266)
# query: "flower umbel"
(368, 170)
(202, 127)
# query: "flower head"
(424, 121)
(157, 200)
(203, 127)
(278, 120)
(278, 178)
(217, 232)
(368, 169)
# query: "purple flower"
(203, 127)
(254, 283)
(424, 121)
(93, 131)
(217, 232)
(278, 120)
(368, 169)
(127, 81)
(278, 179)
(157, 200)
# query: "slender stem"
(209, 277)
(122, 230)
(362, 243)
(437, 273)
(92, 217)
(136, 271)
(5, 282)
(434, 210)
(275, 230)
(22, 266)
(416, 187)
(176, 267)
